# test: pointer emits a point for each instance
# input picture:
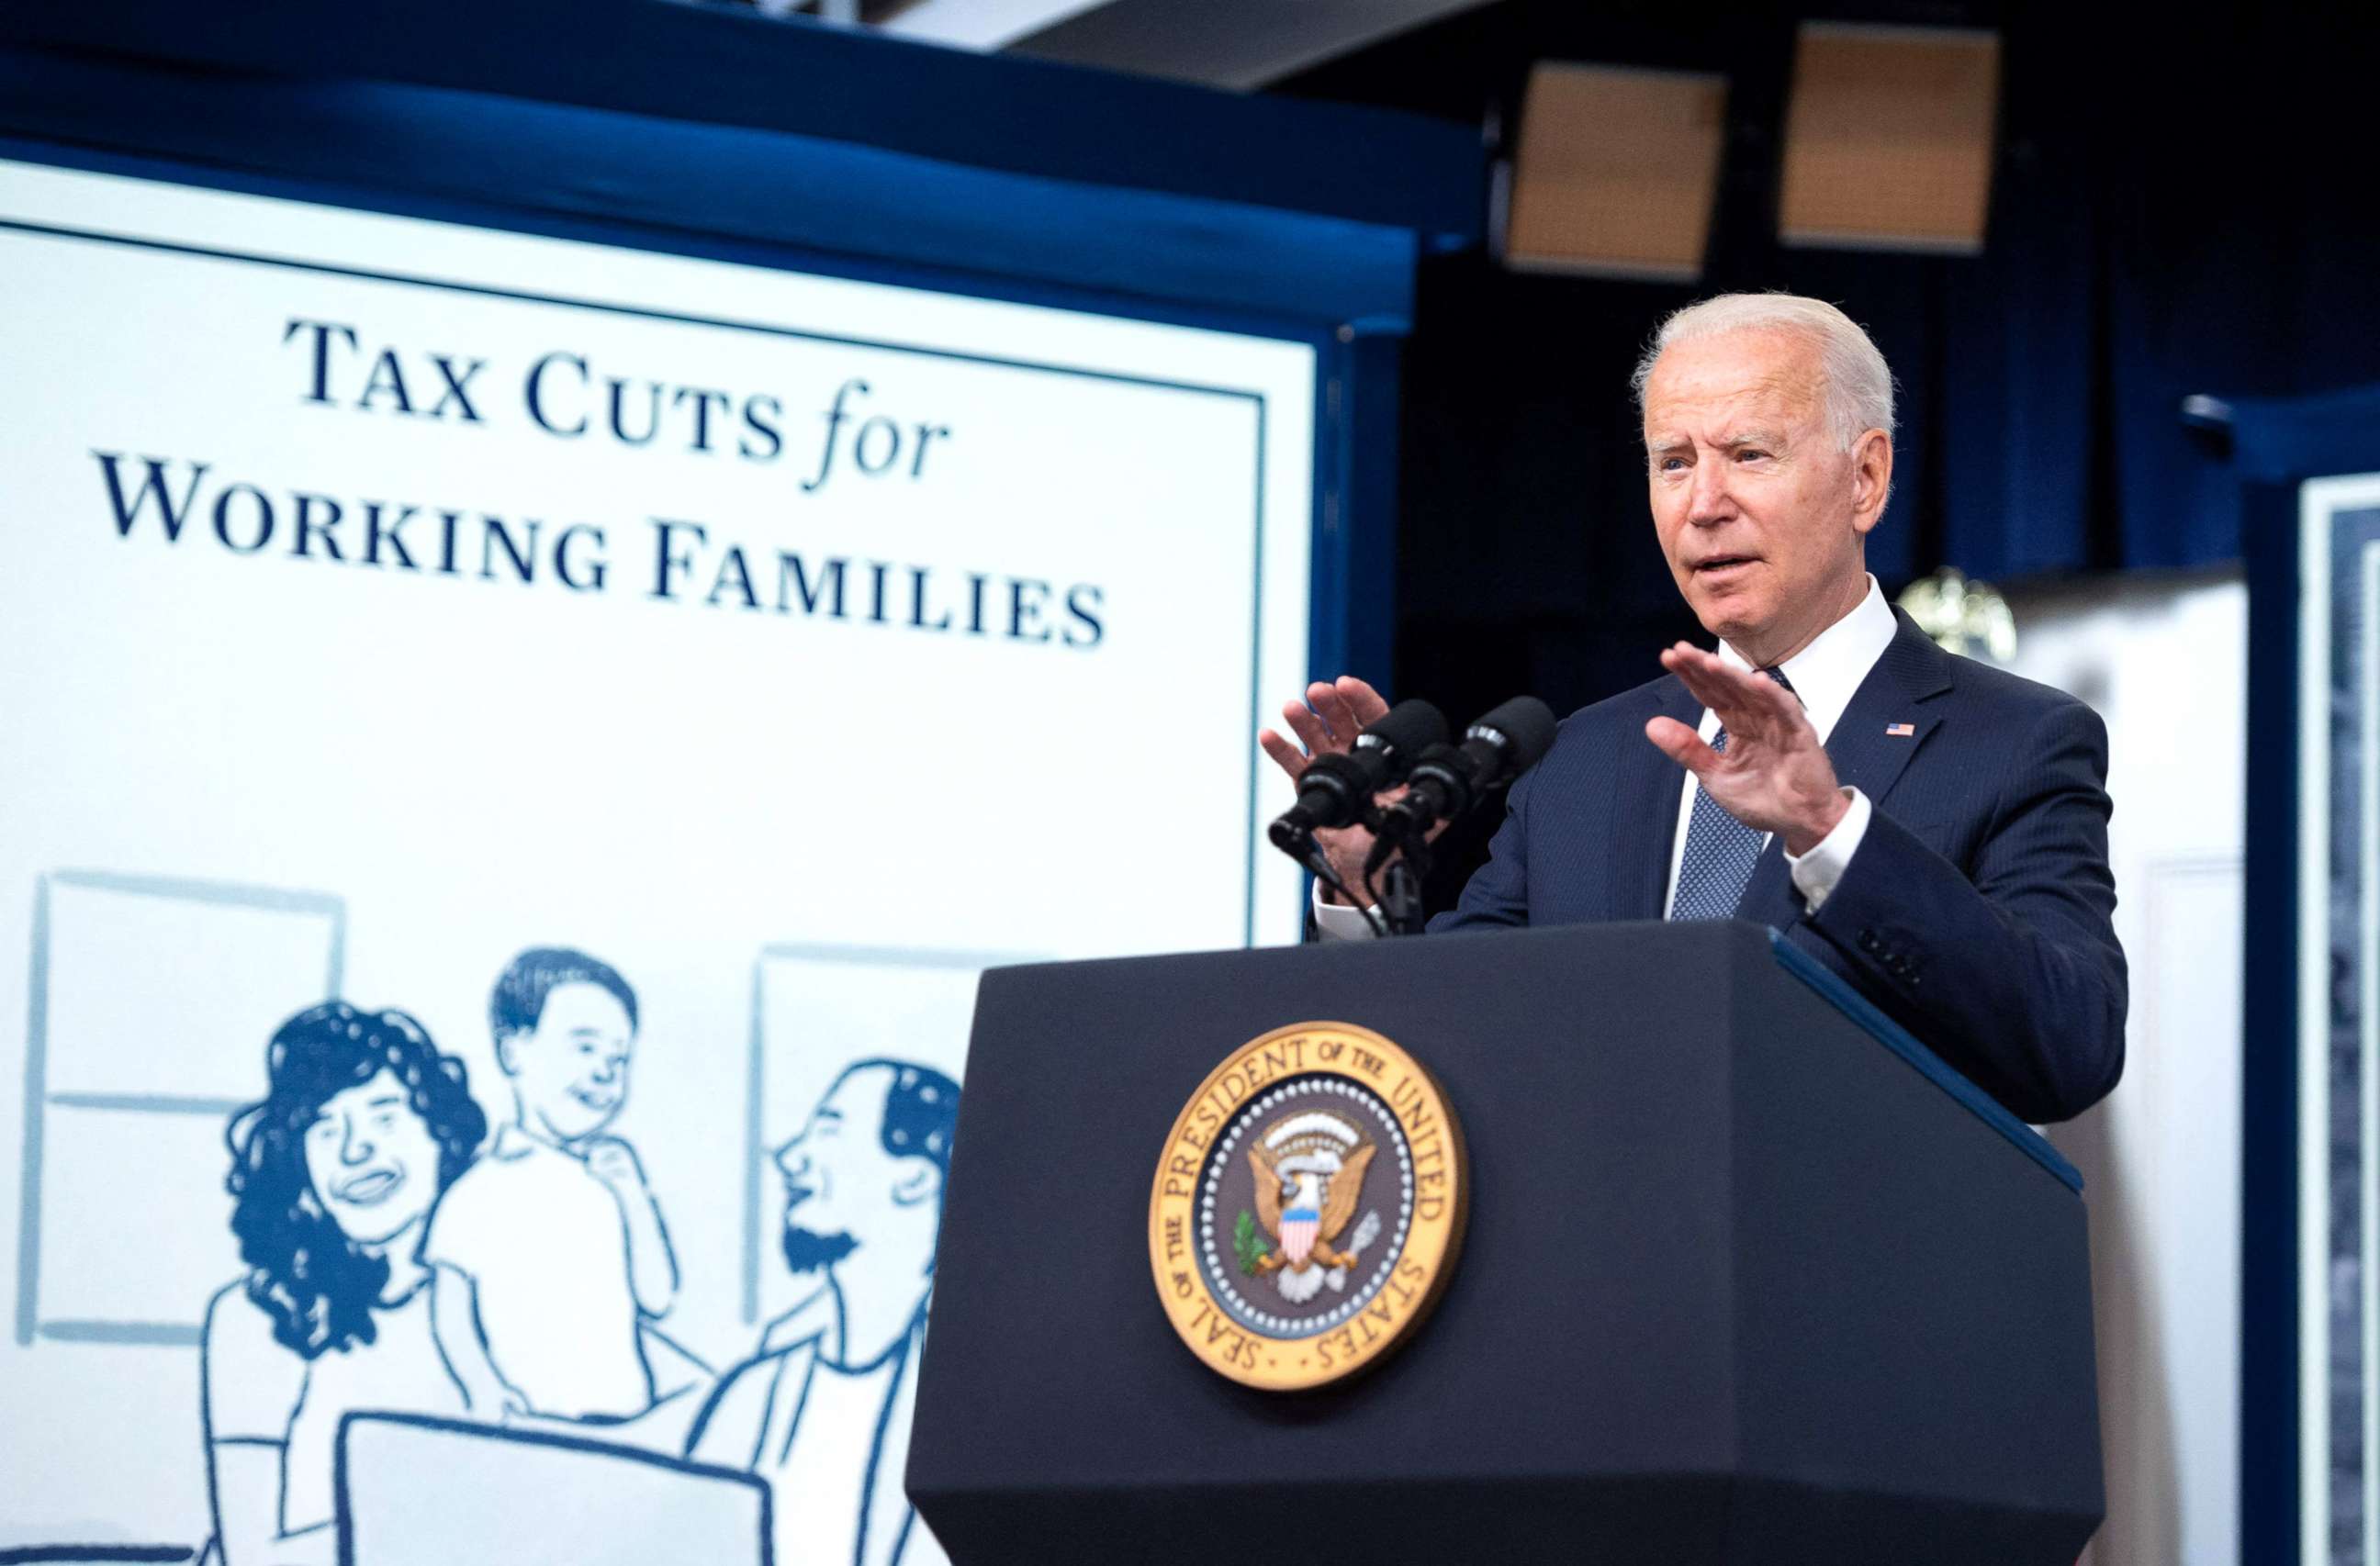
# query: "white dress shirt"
(1825, 675)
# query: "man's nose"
(1709, 500)
(355, 1144)
(791, 1159)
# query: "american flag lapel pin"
(1900, 731)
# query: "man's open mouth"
(1719, 563)
(595, 1098)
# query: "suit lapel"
(1644, 814)
(1867, 756)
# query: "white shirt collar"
(513, 1143)
(1827, 674)
(812, 1320)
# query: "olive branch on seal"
(1249, 1246)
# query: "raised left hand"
(1774, 775)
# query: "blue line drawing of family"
(398, 1259)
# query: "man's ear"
(921, 1180)
(1871, 479)
(505, 1060)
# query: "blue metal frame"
(486, 208)
(837, 206)
(1355, 609)
(722, 65)
(2268, 1079)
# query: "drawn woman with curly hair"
(334, 1176)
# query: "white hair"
(1858, 384)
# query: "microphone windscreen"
(1527, 725)
(1410, 728)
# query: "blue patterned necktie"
(1720, 850)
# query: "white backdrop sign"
(516, 751)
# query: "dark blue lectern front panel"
(1736, 1275)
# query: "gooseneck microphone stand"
(1394, 869)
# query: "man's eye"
(1748, 455)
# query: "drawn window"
(152, 1002)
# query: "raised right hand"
(1327, 721)
(613, 1162)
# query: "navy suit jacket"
(1978, 911)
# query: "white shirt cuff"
(1336, 921)
(1816, 873)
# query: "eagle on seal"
(1309, 1175)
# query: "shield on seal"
(1298, 1228)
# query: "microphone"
(1447, 781)
(1336, 790)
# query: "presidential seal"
(1309, 1206)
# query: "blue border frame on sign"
(1256, 398)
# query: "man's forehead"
(1742, 379)
(858, 1094)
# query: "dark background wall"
(2181, 205)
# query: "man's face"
(572, 1069)
(839, 1179)
(1760, 515)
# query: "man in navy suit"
(1933, 829)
